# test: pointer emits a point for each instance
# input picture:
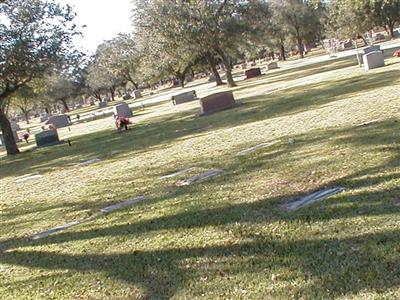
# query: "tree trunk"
(97, 96)
(300, 47)
(213, 68)
(8, 136)
(181, 78)
(390, 28)
(64, 102)
(112, 91)
(228, 69)
(26, 115)
(282, 52)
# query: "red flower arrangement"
(396, 53)
(122, 122)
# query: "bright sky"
(104, 20)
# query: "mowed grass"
(225, 238)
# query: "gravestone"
(102, 104)
(15, 126)
(243, 66)
(137, 94)
(311, 198)
(59, 121)
(217, 102)
(200, 177)
(211, 78)
(122, 110)
(28, 178)
(184, 97)
(126, 97)
(122, 205)
(251, 73)
(47, 138)
(44, 118)
(373, 60)
(272, 66)
(177, 173)
(348, 44)
(53, 230)
(371, 49)
(379, 36)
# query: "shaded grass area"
(225, 238)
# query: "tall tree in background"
(385, 13)
(347, 18)
(24, 100)
(211, 29)
(35, 36)
(121, 57)
(299, 18)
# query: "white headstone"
(373, 60)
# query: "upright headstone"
(211, 78)
(126, 97)
(15, 126)
(251, 73)
(272, 66)
(122, 110)
(59, 121)
(372, 49)
(47, 138)
(102, 104)
(137, 94)
(379, 36)
(217, 102)
(184, 97)
(373, 60)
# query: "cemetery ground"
(225, 238)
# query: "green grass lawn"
(225, 238)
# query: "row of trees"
(172, 38)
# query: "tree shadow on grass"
(337, 267)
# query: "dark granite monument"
(217, 102)
(251, 73)
(47, 138)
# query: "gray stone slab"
(200, 177)
(253, 149)
(90, 162)
(311, 198)
(122, 205)
(28, 178)
(177, 173)
(373, 60)
(53, 230)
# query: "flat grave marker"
(53, 230)
(253, 149)
(28, 178)
(177, 173)
(122, 205)
(200, 177)
(311, 198)
(89, 162)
